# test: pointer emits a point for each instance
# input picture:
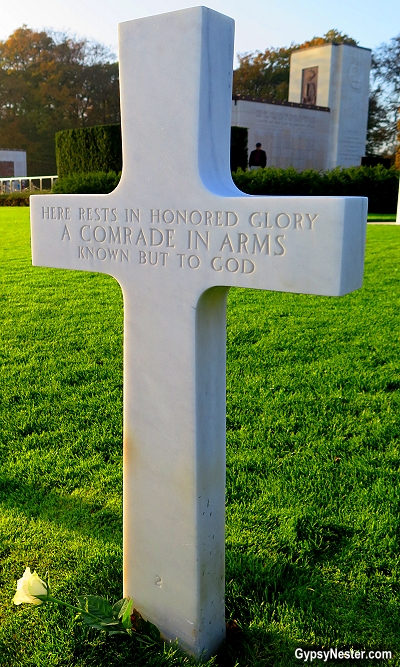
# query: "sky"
(259, 23)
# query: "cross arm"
(311, 245)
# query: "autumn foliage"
(50, 82)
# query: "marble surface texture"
(177, 234)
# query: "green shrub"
(379, 184)
(89, 149)
(95, 183)
(239, 138)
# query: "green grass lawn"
(313, 449)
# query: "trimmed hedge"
(89, 149)
(239, 139)
(379, 184)
(80, 184)
(99, 149)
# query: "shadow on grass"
(311, 603)
(82, 516)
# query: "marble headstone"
(177, 234)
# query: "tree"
(267, 74)
(397, 159)
(378, 129)
(50, 82)
(263, 74)
(331, 37)
(386, 89)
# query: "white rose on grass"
(28, 587)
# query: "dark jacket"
(258, 158)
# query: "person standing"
(258, 158)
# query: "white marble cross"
(176, 234)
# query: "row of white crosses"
(177, 234)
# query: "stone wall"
(291, 135)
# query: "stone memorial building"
(12, 163)
(324, 123)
